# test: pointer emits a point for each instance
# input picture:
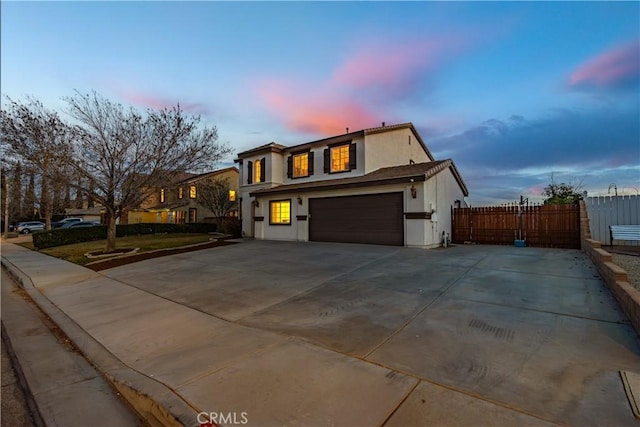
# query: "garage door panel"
(373, 218)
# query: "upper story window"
(256, 171)
(179, 192)
(162, 195)
(192, 192)
(280, 212)
(300, 165)
(232, 195)
(340, 158)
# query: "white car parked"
(29, 227)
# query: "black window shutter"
(262, 163)
(289, 166)
(311, 163)
(327, 165)
(352, 156)
(249, 172)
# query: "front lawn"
(75, 252)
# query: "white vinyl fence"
(604, 211)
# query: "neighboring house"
(179, 203)
(378, 186)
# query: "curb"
(154, 402)
(30, 400)
(616, 279)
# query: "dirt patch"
(117, 262)
(623, 250)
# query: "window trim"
(257, 172)
(291, 164)
(353, 154)
(193, 194)
(271, 202)
(259, 166)
(335, 147)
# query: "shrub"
(67, 236)
(232, 226)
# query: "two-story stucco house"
(378, 186)
(179, 202)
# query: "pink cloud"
(157, 103)
(358, 90)
(316, 110)
(615, 68)
(394, 68)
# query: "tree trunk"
(45, 202)
(111, 231)
(6, 207)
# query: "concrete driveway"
(466, 335)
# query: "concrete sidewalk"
(163, 332)
(64, 388)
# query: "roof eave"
(341, 185)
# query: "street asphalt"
(283, 333)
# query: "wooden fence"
(552, 226)
(604, 211)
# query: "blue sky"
(511, 91)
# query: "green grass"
(75, 253)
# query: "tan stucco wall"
(442, 191)
(392, 148)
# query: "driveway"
(474, 334)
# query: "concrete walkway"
(64, 388)
(276, 333)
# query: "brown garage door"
(372, 218)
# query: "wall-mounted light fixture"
(257, 203)
(414, 191)
(299, 200)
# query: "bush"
(67, 236)
(158, 228)
(232, 226)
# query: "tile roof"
(388, 175)
(198, 177)
(336, 139)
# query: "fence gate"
(547, 226)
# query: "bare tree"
(214, 195)
(15, 212)
(125, 154)
(563, 193)
(41, 139)
(29, 201)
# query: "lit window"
(162, 195)
(232, 195)
(301, 165)
(340, 158)
(192, 191)
(257, 171)
(180, 193)
(280, 212)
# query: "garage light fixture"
(299, 200)
(414, 192)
